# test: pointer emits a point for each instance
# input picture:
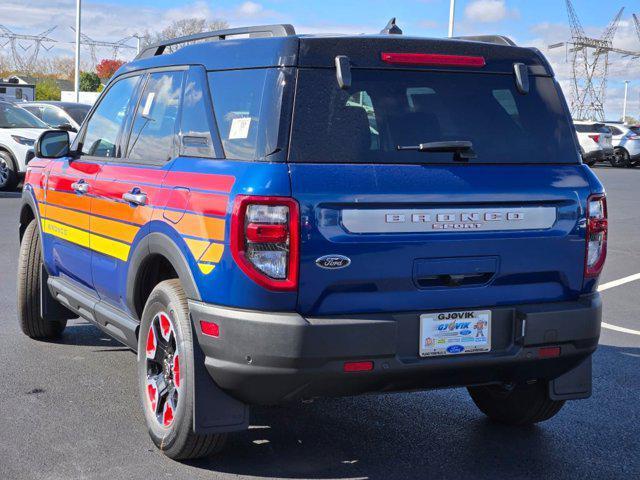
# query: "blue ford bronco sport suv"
(267, 217)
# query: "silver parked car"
(626, 144)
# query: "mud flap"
(573, 385)
(50, 309)
(213, 410)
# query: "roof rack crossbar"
(280, 30)
(495, 39)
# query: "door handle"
(135, 198)
(80, 186)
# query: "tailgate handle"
(454, 272)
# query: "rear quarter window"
(249, 107)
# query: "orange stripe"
(113, 229)
(69, 200)
(199, 226)
(76, 219)
(121, 211)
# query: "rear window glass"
(590, 127)
(247, 105)
(384, 110)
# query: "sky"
(529, 22)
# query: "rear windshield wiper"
(462, 149)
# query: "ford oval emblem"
(333, 262)
(455, 349)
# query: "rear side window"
(153, 133)
(384, 110)
(247, 106)
(195, 122)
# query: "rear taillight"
(264, 240)
(595, 138)
(597, 227)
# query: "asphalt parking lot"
(70, 408)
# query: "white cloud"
(488, 11)
(250, 8)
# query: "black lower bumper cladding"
(270, 358)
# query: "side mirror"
(53, 144)
(67, 127)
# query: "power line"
(590, 65)
(24, 61)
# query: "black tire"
(520, 405)
(8, 172)
(29, 271)
(177, 440)
(621, 158)
(590, 163)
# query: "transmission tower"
(25, 56)
(94, 44)
(590, 65)
(636, 22)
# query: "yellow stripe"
(206, 268)
(100, 244)
(197, 247)
(71, 234)
(110, 247)
(213, 253)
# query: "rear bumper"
(594, 156)
(268, 358)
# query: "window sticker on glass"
(239, 128)
(148, 103)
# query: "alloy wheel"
(163, 359)
(4, 172)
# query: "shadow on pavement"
(440, 434)
(79, 332)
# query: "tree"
(107, 67)
(47, 89)
(629, 120)
(180, 28)
(89, 82)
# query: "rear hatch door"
(389, 230)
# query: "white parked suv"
(18, 132)
(626, 145)
(595, 142)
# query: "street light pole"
(452, 13)
(624, 104)
(77, 69)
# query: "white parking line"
(616, 283)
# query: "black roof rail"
(280, 30)
(496, 39)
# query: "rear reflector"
(210, 329)
(358, 366)
(434, 59)
(549, 352)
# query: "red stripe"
(207, 204)
(203, 181)
(132, 174)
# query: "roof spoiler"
(260, 31)
(495, 39)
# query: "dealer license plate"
(455, 333)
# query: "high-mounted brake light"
(433, 59)
(265, 236)
(597, 230)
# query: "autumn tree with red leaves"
(107, 67)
